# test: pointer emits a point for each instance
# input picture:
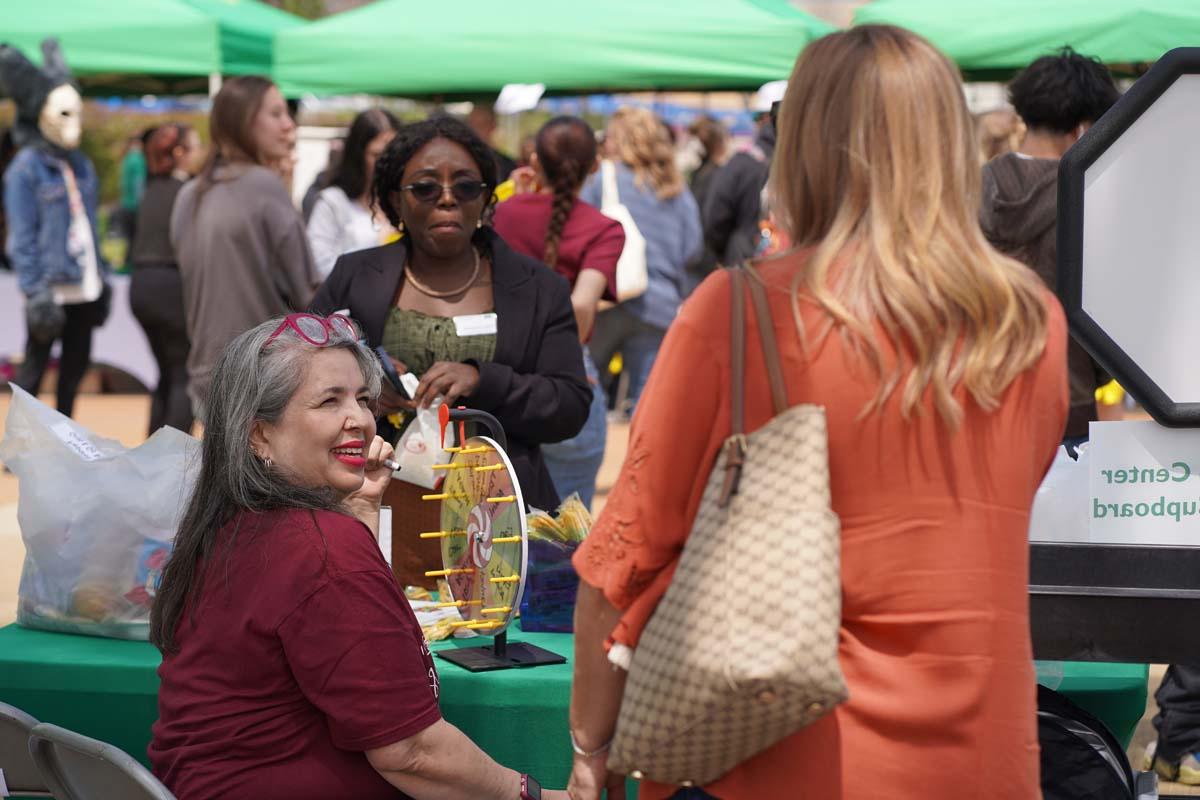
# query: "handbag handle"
(735, 445)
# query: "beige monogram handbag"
(742, 650)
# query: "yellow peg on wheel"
(483, 623)
(441, 573)
(509, 579)
(490, 468)
(450, 466)
(451, 449)
(474, 451)
(497, 610)
(506, 540)
(442, 534)
(445, 496)
(460, 604)
(509, 498)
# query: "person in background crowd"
(240, 242)
(293, 666)
(1000, 131)
(451, 302)
(652, 188)
(926, 352)
(342, 220)
(581, 244)
(482, 120)
(1058, 98)
(156, 288)
(322, 180)
(51, 193)
(528, 148)
(713, 140)
(732, 209)
(8, 151)
(133, 181)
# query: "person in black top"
(478, 323)
(156, 289)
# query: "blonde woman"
(652, 188)
(941, 367)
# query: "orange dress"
(935, 615)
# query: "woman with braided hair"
(574, 239)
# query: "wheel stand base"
(501, 655)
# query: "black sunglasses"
(464, 191)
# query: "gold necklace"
(423, 289)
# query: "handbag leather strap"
(735, 445)
(766, 335)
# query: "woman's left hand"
(590, 776)
(451, 380)
(377, 477)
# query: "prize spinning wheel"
(483, 536)
(484, 545)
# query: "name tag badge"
(475, 324)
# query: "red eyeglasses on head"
(315, 330)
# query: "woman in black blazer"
(430, 295)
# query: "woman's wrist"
(591, 751)
(365, 511)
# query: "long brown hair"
(566, 151)
(231, 126)
(639, 139)
(876, 168)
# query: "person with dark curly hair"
(451, 302)
(551, 223)
(1058, 98)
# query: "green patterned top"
(421, 340)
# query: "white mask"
(61, 120)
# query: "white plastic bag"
(420, 447)
(1060, 507)
(97, 519)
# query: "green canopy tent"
(993, 38)
(477, 46)
(131, 46)
(248, 29)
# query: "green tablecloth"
(108, 689)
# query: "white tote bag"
(631, 266)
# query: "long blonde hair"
(639, 139)
(876, 169)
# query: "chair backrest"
(77, 767)
(20, 774)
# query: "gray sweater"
(244, 258)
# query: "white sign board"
(1144, 484)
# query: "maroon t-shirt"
(303, 653)
(589, 240)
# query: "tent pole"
(214, 84)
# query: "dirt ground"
(124, 418)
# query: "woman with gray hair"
(293, 665)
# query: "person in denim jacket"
(50, 197)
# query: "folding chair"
(77, 767)
(17, 771)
